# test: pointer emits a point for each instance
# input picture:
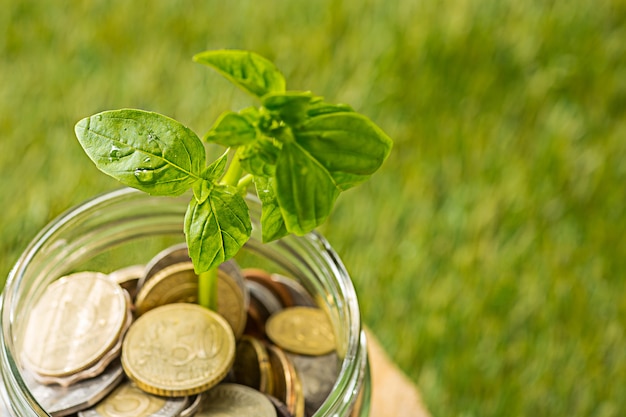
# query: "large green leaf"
(217, 228)
(305, 190)
(253, 73)
(347, 144)
(144, 150)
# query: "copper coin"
(287, 385)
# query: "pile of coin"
(135, 343)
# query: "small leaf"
(348, 145)
(201, 190)
(232, 129)
(259, 158)
(272, 223)
(251, 72)
(291, 106)
(321, 107)
(216, 169)
(144, 150)
(217, 228)
(305, 190)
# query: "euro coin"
(77, 320)
(169, 256)
(129, 401)
(302, 330)
(177, 283)
(178, 350)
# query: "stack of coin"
(135, 343)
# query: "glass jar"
(127, 227)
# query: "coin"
(98, 367)
(287, 385)
(178, 283)
(235, 400)
(62, 401)
(178, 350)
(128, 278)
(129, 401)
(66, 333)
(318, 375)
(252, 365)
(303, 330)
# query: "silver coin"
(318, 375)
(235, 400)
(192, 406)
(129, 401)
(62, 401)
(299, 294)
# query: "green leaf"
(216, 169)
(305, 190)
(349, 146)
(272, 222)
(217, 228)
(144, 150)
(321, 107)
(232, 129)
(251, 72)
(291, 106)
(201, 190)
(259, 158)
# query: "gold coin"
(303, 330)
(178, 283)
(77, 320)
(252, 365)
(232, 301)
(287, 385)
(129, 401)
(178, 350)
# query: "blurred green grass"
(489, 253)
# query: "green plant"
(299, 151)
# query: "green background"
(489, 252)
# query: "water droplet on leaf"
(144, 175)
(115, 154)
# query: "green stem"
(207, 289)
(234, 171)
(207, 281)
(245, 181)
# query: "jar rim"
(354, 361)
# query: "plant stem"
(207, 289)
(207, 281)
(234, 171)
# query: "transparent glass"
(128, 227)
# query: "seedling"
(300, 151)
